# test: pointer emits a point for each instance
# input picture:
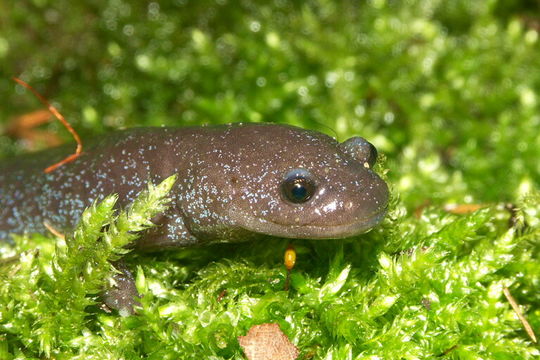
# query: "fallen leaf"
(24, 128)
(462, 209)
(267, 342)
(29, 121)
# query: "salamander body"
(235, 182)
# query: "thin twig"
(524, 321)
(54, 231)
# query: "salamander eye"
(360, 149)
(298, 186)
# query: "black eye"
(360, 149)
(298, 186)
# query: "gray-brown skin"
(229, 187)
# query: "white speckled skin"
(228, 187)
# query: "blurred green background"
(447, 90)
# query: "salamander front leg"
(122, 295)
(170, 232)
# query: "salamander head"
(294, 183)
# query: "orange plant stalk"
(56, 113)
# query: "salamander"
(235, 182)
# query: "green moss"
(47, 290)
(447, 91)
(433, 286)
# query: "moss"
(448, 91)
(38, 314)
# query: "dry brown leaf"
(24, 127)
(29, 121)
(462, 209)
(267, 342)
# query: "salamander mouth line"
(309, 224)
(309, 230)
